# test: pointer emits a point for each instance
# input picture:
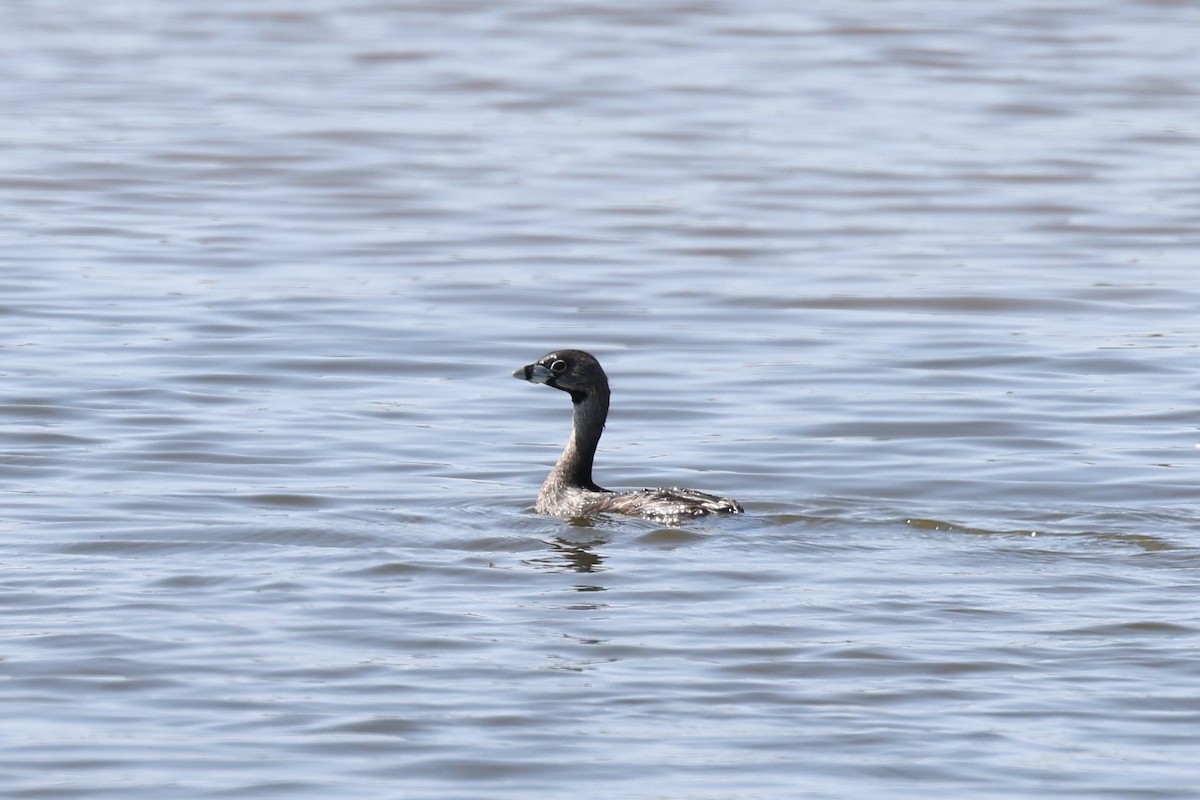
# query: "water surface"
(915, 284)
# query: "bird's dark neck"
(574, 468)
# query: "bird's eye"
(558, 366)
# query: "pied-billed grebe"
(569, 490)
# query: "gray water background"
(916, 282)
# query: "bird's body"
(569, 490)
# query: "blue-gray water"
(916, 282)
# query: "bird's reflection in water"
(573, 555)
(578, 556)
